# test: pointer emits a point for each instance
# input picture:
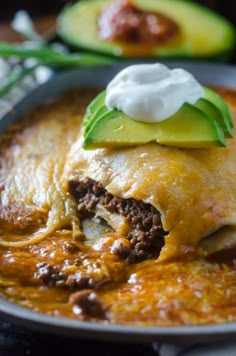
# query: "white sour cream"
(152, 92)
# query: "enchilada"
(48, 265)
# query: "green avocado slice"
(211, 110)
(219, 102)
(203, 32)
(93, 107)
(214, 106)
(188, 128)
(100, 112)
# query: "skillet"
(213, 74)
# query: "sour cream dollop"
(152, 92)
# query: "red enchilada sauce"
(124, 23)
(62, 276)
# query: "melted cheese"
(194, 190)
(32, 203)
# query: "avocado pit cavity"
(124, 22)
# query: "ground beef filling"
(124, 22)
(146, 235)
(87, 303)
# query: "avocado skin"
(213, 111)
(188, 128)
(77, 25)
(219, 102)
(99, 113)
(93, 107)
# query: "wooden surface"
(44, 25)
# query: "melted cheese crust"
(33, 154)
(194, 189)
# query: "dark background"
(39, 8)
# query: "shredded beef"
(146, 234)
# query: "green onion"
(14, 78)
(47, 55)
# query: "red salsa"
(124, 22)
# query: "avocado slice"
(211, 110)
(95, 104)
(219, 102)
(214, 106)
(203, 32)
(188, 128)
(100, 112)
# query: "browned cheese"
(47, 265)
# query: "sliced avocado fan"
(219, 102)
(188, 128)
(212, 111)
(92, 108)
(205, 124)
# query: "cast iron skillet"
(213, 74)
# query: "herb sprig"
(40, 53)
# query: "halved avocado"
(188, 128)
(219, 102)
(203, 32)
(211, 110)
